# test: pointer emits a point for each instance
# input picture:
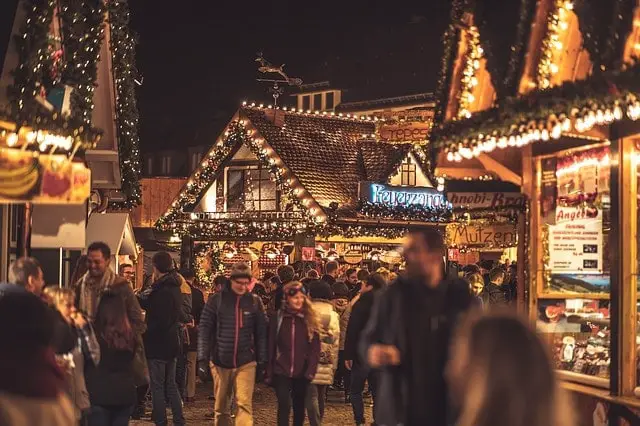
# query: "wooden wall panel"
(157, 194)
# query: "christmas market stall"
(68, 122)
(284, 186)
(566, 105)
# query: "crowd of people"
(431, 350)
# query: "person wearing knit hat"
(321, 296)
(233, 336)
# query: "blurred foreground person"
(360, 371)
(500, 375)
(31, 383)
(408, 336)
(111, 384)
(294, 353)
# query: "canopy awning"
(116, 230)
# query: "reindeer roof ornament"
(267, 68)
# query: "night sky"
(198, 61)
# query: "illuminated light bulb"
(564, 25)
(502, 142)
(12, 139)
(457, 157)
(473, 81)
(480, 50)
(599, 117)
(544, 135)
(556, 132)
(466, 153)
(470, 97)
(568, 5)
(253, 104)
(244, 103)
(617, 112)
(476, 64)
(450, 156)
(31, 137)
(554, 68)
(536, 135)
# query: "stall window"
(317, 101)
(251, 188)
(329, 100)
(306, 102)
(408, 173)
(574, 280)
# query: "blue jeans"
(163, 376)
(359, 375)
(117, 415)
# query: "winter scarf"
(91, 289)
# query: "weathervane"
(267, 68)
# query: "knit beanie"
(340, 290)
(240, 270)
(318, 289)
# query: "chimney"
(276, 116)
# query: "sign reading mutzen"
(397, 196)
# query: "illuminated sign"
(405, 132)
(393, 196)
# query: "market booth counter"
(567, 105)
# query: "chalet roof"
(329, 156)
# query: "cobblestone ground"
(337, 413)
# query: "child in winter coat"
(86, 351)
(294, 352)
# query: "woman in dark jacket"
(294, 352)
(111, 384)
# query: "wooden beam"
(503, 172)
(460, 173)
(628, 267)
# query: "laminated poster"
(576, 241)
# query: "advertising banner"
(575, 241)
(489, 236)
(42, 179)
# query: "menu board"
(576, 241)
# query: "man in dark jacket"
(233, 336)
(163, 304)
(360, 371)
(408, 336)
(496, 293)
(330, 272)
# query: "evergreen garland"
(123, 52)
(83, 32)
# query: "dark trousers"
(181, 374)
(290, 392)
(359, 375)
(163, 376)
(314, 402)
(342, 373)
(117, 415)
(141, 395)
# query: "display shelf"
(595, 296)
(583, 379)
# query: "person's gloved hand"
(203, 370)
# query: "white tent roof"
(115, 229)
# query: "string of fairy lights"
(469, 81)
(83, 28)
(557, 23)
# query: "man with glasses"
(232, 341)
(127, 272)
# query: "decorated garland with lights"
(207, 263)
(546, 114)
(413, 212)
(123, 50)
(34, 70)
(473, 56)
(556, 23)
(82, 26)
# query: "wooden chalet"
(545, 95)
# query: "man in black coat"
(163, 304)
(197, 305)
(360, 371)
(233, 336)
(409, 333)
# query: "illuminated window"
(251, 188)
(408, 173)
